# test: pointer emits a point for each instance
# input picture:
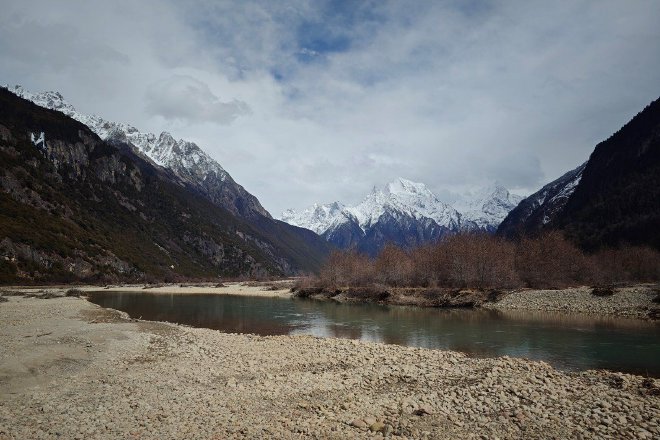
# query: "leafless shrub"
(486, 262)
(305, 282)
(44, 295)
(392, 267)
(479, 260)
(552, 261)
(74, 292)
(629, 263)
(306, 286)
(347, 269)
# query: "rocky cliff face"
(75, 207)
(185, 159)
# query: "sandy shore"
(279, 289)
(263, 289)
(70, 369)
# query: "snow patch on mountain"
(40, 139)
(554, 195)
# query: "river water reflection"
(571, 342)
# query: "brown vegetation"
(74, 292)
(487, 262)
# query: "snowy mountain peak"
(399, 198)
(404, 197)
(409, 201)
(186, 159)
(405, 186)
(51, 100)
(488, 206)
(317, 218)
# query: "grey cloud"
(54, 46)
(184, 97)
(453, 94)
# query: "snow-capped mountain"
(408, 198)
(403, 212)
(186, 159)
(318, 218)
(541, 207)
(487, 207)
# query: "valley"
(329, 219)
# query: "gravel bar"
(631, 302)
(72, 370)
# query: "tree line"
(472, 260)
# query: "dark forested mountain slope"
(612, 199)
(74, 207)
(534, 212)
(618, 198)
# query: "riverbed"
(568, 341)
(71, 369)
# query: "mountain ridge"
(403, 212)
(613, 199)
(74, 207)
(537, 210)
(186, 159)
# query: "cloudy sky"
(305, 101)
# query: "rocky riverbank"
(639, 301)
(642, 301)
(70, 369)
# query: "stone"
(358, 423)
(424, 409)
(377, 427)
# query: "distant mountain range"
(74, 206)
(612, 199)
(405, 213)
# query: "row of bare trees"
(485, 261)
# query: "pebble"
(160, 381)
